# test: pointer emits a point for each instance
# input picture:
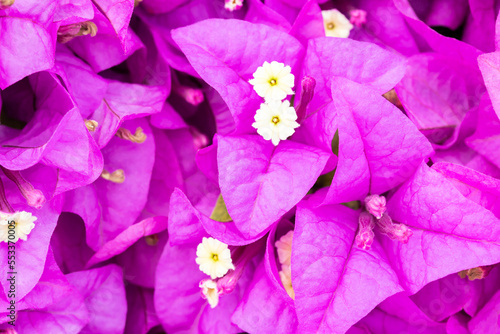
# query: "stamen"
(67, 32)
(273, 82)
(138, 137)
(395, 231)
(118, 176)
(376, 205)
(330, 26)
(192, 95)
(34, 197)
(91, 124)
(275, 120)
(476, 273)
(4, 4)
(308, 85)
(365, 236)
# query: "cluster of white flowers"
(214, 259)
(275, 120)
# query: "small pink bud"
(199, 139)
(365, 235)
(357, 17)
(67, 32)
(308, 85)
(395, 231)
(192, 95)
(34, 197)
(376, 205)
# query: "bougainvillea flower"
(30, 253)
(34, 19)
(397, 313)
(447, 90)
(103, 293)
(322, 298)
(53, 306)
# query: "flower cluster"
(249, 166)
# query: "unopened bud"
(118, 176)
(376, 205)
(365, 235)
(395, 231)
(192, 95)
(34, 197)
(91, 125)
(357, 17)
(67, 32)
(308, 85)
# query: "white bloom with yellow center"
(336, 24)
(214, 258)
(210, 292)
(273, 81)
(23, 223)
(275, 121)
(232, 5)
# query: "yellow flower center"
(275, 120)
(330, 26)
(215, 257)
(273, 82)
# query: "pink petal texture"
(450, 231)
(490, 68)
(335, 282)
(104, 295)
(486, 321)
(17, 61)
(437, 91)
(225, 60)
(382, 73)
(486, 138)
(260, 182)
(127, 238)
(371, 159)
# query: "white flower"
(232, 5)
(275, 121)
(273, 81)
(284, 248)
(23, 223)
(210, 292)
(336, 24)
(214, 258)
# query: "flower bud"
(357, 17)
(395, 231)
(376, 205)
(365, 235)
(308, 85)
(34, 197)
